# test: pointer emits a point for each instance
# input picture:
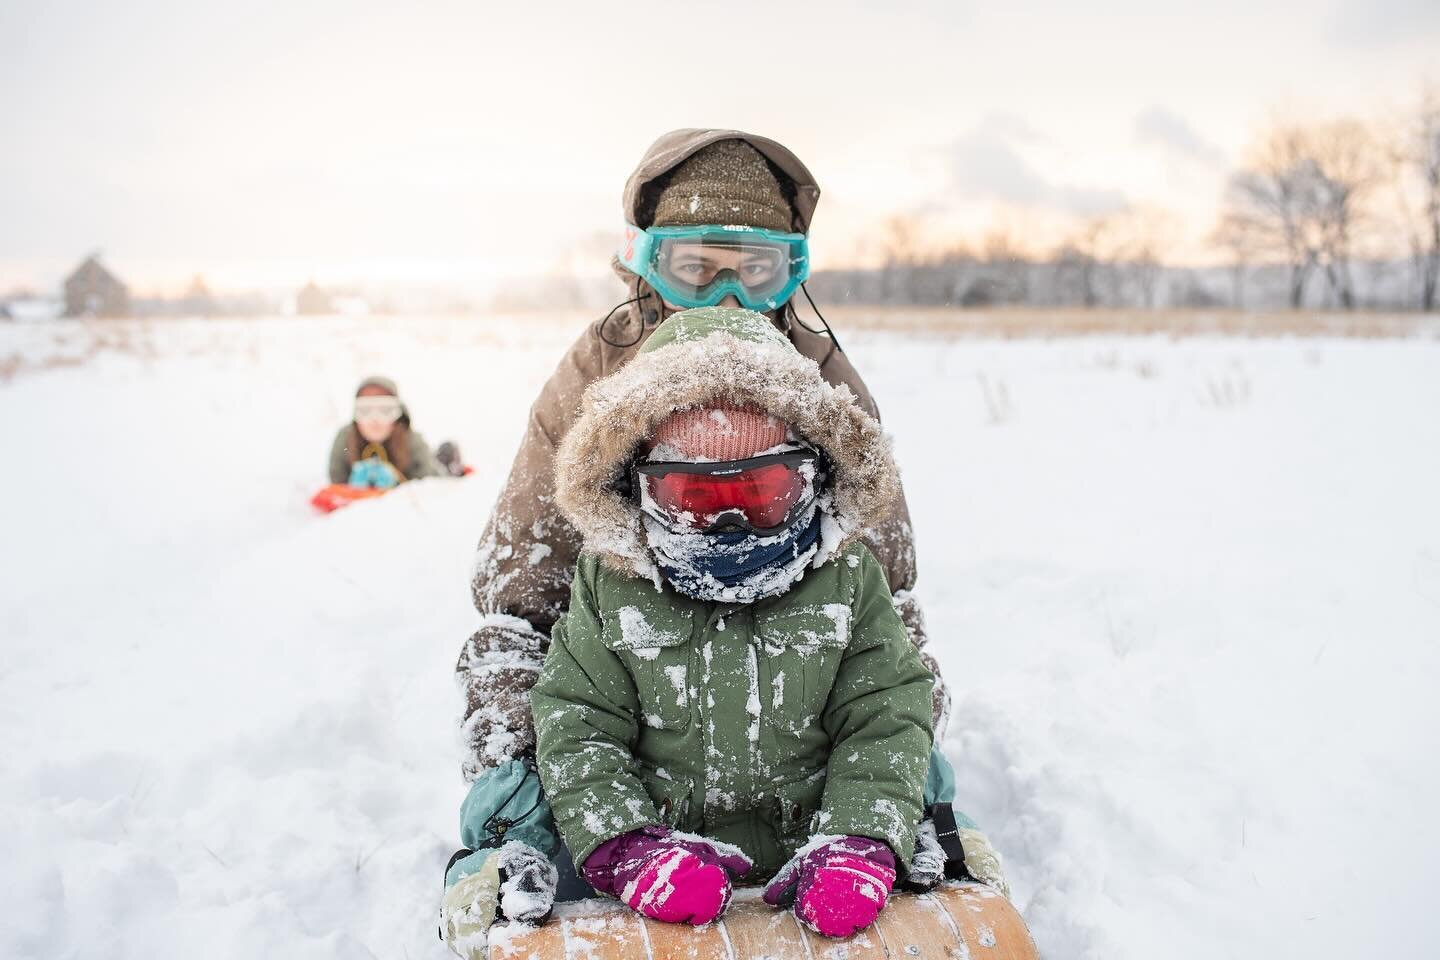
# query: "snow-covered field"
(1187, 594)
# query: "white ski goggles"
(379, 409)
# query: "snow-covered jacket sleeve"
(587, 715)
(521, 579)
(878, 719)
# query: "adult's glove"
(505, 870)
(981, 859)
(515, 882)
(947, 842)
(953, 846)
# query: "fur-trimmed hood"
(704, 357)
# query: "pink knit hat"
(719, 433)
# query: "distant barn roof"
(93, 291)
(93, 273)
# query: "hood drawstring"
(790, 305)
(600, 329)
(495, 825)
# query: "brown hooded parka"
(527, 555)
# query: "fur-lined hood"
(704, 357)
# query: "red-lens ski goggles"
(762, 495)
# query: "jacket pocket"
(803, 646)
(796, 806)
(670, 796)
(655, 648)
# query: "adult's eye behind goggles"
(761, 495)
(700, 266)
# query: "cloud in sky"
(988, 163)
(1161, 127)
(1380, 23)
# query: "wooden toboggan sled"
(957, 921)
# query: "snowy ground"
(1187, 594)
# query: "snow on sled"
(957, 921)
(339, 495)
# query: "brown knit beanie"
(718, 433)
(379, 382)
(727, 183)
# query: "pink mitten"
(669, 876)
(838, 886)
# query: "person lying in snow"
(379, 448)
(732, 695)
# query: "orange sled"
(339, 495)
(955, 921)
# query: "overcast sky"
(453, 143)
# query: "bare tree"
(1302, 195)
(1008, 270)
(901, 242)
(1346, 164)
(902, 250)
(1083, 264)
(1237, 238)
(1140, 239)
(1273, 200)
(1415, 159)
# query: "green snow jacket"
(759, 725)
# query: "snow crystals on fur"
(621, 411)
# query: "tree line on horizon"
(1341, 213)
(1337, 214)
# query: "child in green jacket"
(731, 696)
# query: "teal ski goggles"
(700, 266)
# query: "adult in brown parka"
(527, 554)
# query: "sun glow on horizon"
(454, 148)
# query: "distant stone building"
(312, 301)
(93, 291)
